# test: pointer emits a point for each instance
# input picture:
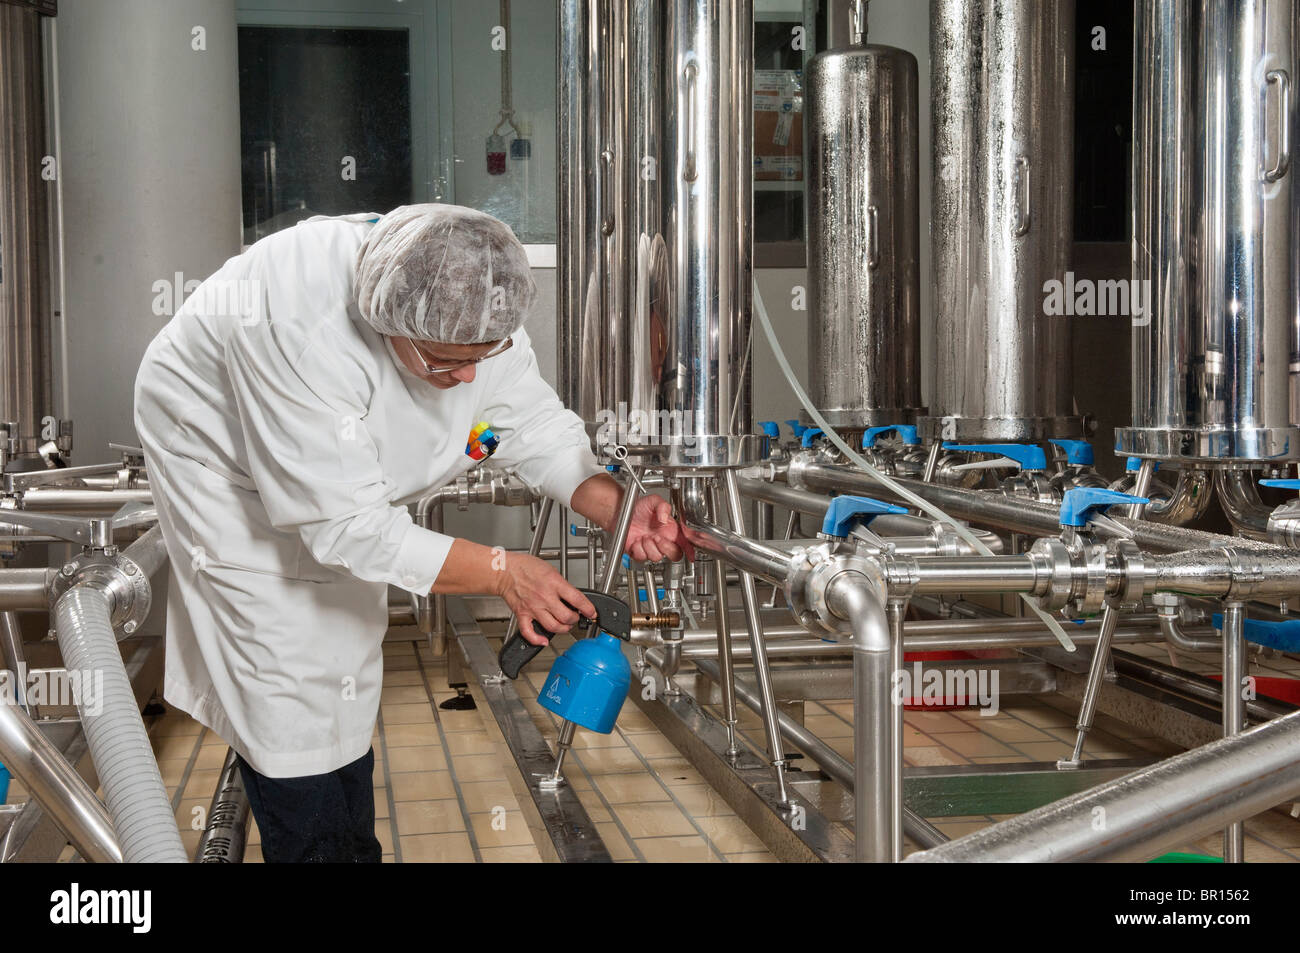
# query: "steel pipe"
(1012, 513)
(748, 555)
(789, 641)
(724, 649)
(1170, 618)
(149, 552)
(1150, 811)
(1240, 500)
(81, 502)
(889, 525)
(25, 366)
(26, 588)
(836, 766)
(1234, 709)
(757, 645)
(57, 787)
(860, 601)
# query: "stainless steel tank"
(1214, 231)
(588, 277)
(688, 170)
(863, 213)
(25, 367)
(1002, 87)
(1294, 367)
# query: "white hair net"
(443, 273)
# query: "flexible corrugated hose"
(119, 744)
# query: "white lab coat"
(284, 440)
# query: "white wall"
(150, 172)
(525, 196)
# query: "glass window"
(454, 101)
(325, 123)
(504, 115)
(364, 105)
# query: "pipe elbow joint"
(859, 600)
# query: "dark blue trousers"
(321, 818)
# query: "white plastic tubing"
(119, 745)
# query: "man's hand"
(653, 533)
(536, 592)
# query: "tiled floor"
(1041, 728)
(441, 789)
(442, 794)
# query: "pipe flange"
(1060, 566)
(794, 470)
(1093, 575)
(812, 571)
(1131, 566)
(463, 498)
(120, 576)
(1037, 487)
(1246, 574)
(1284, 525)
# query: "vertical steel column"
(25, 392)
(758, 646)
(726, 665)
(897, 612)
(11, 642)
(1234, 709)
(1101, 660)
(851, 597)
(1096, 674)
(564, 542)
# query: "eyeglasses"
(457, 365)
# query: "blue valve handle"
(1081, 503)
(1281, 484)
(846, 511)
(1027, 455)
(1283, 636)
(796, 428)
(1077, 452)
(1134, 464)
(809, 435)
(905, 431)
(770, 428)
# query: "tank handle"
(1021, 227)
(1282, 80)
